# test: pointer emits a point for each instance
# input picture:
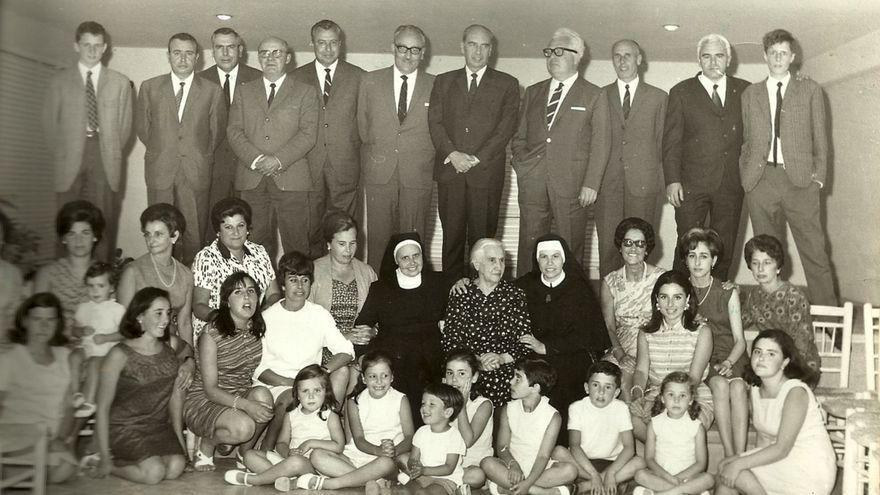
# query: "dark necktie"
(327, 84)
(91, 103)
(716, 99)
(472, 88)
(401, 102)
(626, 104)
(777, 117)
(179, 97)
(554, 104)
(271, 94)
(227, 92)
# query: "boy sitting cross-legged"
(600, 434)
(526, 435)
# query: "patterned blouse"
(211, 267)
(70, 289)
(489, 323)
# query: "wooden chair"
(861, 464)
(23, 454)
(832, 331)
(871, 317)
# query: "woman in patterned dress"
(489, 317)
(139, 429)
(673, 340)
(222, 406)
(626, 295)
(80, 225)
(343, 281)
(777, 304)
(229, 253)
(162, 225)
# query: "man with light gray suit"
(397, 154)
(180, 120)
(87, 120)
(784, 161)
(273, 124)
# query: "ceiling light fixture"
(224, 17)
(671, 27)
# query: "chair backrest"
(872, 347)
(832, 332)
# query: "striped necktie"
(626, 103)
(716, 99)
(271, 94)
(327, 84)
(179, 98)
(401, 102)
(553, 105)
(91, 103)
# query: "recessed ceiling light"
(224, 17)
(671, 27)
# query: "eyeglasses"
(413, 50)
(558, 51)
(273, 53)
(630, 243)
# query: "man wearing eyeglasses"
(563, 128)
(273, 124)
(473, 115)
(631, 177)
(335, 159)
(180, 120)
(229, 73)
(397, 153)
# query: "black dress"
(408, 332)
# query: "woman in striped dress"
(222, 406)
(671, 341)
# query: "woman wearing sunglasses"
(626, 295)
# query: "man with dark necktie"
(229, 72)
(784, 161)
(335, 159)
(397, 152)
(87, 120)
(273, 124)
(702, 139)
(472, 116)
(180, 120)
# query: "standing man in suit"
(563, 128)
(784, 161)
(702, 139)
(87, 121)
(631, 177)
(229, 73)
(397, 154)
(472, 116)
(273, 124)
(335, 159)
(180, 121)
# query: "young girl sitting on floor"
(675, 450)
(380, 426)
(475, 419)
(310, 424)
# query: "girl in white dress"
(794, 454)
(675, 450)
(475, 419)
(311, 423)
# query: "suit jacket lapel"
(195, 91)
(764, 104)
(614, 99)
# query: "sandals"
(284, 484)
(202, 463)
(231, 477)
(310, 481)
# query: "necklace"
(159, 274)
(708, 288)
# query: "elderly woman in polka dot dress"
(489, 317)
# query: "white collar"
(410, 78)
(232, 73)
(480, 73)
(567, 83)
(278, 83)
(554, 283)
(177, 80)
(96, 71)
(320, 67)
(407, 282)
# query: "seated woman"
(231, 252)
(700, 249)
(162, 225)
(626, 295)
(794, 454)
(489, 317)
(139, 429)
(406, 305)
(36, 375)
(673, 340)
(777, 304)
(567, 327)
(222, 406)
(343, 281)
(79, 225)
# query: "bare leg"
(496, 471)
(561, 473)
(698, 484)
(344, 475)
(339, 383)
(647, 478)
(294, 465)
(640, 428)
(263, 396)
(174, 466)
(90, 388)
(274, 428)
(474, 477)
(739, 414)
(150, 471)
(721, 399)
